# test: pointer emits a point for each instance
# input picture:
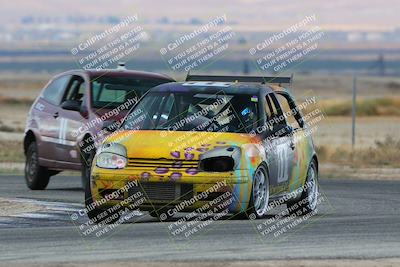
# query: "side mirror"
(109, 126)
(84, 111)
(71, 105)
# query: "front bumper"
(195, 189)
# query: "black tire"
(87, 160)
(252, 209)
(95, 214)
(241, 216)
(307, 202)
(161, 215)
(37, 177)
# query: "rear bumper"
(165, 191)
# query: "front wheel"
(259, 199)
(37, 177)
(161, 215)
(95, 213)
(87, 160)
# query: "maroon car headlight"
(111, 156)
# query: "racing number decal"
(282, 157)
(62, 133)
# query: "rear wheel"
(309, 197)
(37, 177)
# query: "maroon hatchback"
(71, 116)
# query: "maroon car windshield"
(110, 92)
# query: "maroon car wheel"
(37, 177)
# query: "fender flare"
(30, 135)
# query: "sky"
(248, 14)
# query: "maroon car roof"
(119, 73)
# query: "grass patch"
(5, 128)
(385, 153)
(9, 129)
(11, 151)
(365, 107)
(15, 101)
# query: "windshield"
(110, 92)
(190, 111)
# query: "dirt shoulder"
(277, 263)
(338, 171)
(10, 207)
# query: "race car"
(66, 121)
(211, 140)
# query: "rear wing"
(246, 79)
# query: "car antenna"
(188, 74)
(121, 66)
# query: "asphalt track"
(356, 220)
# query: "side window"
(55, 90)
(109, 95)
(166, 113)
(76, 89)
(293, 116)
(273, 110)
(269, 107)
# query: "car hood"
(111, 116)
(182, 145)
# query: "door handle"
(292, 146)
(55, 115)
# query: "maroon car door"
(45, 115)
(70, 121)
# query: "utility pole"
(353, 113)
(381, 65)
(246, 68)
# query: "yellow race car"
(219, 143)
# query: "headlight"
(110, 161)
(222, 159)
(217, 164)
(111, 156)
